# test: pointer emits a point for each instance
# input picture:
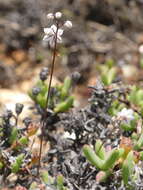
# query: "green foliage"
(46, 178)
(15, 167)
(1, 165)
(116, 106)
(141, 62)
(141, 155)
(108, 75)
(100, 150)
(110, 63)
(41, 97)
(66, 87)
(136, 97)
(118, 156)
(23, 140)
(92, 157)
(107, 163)
(108, 72)
(33, 186)
(15, 139)
(129, 127)
(60, 100)
(13, 136)
(139, 144)
(55, 183)
(64, 105)
(128, 168)
(113, 156)
(60, 183)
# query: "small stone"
(12, 178)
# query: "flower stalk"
(52, 68)
(47, 99)
(53, 37)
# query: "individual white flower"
(58, 15)
(12, 159)
(50, 35)
(67, 135)
(126, 115)
(50, 16)
(68, 24)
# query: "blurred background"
(102, 30)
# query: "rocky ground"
(102, 30)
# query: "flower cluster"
(126, 115)
(53, 34)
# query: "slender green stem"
(47, 100)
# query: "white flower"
(58, 15)
(50, 16)
(12, 159)
(50, 35)
(126, 115)
(68, 24)
(67, 135)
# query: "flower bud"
(58, 15)
(36, 90)
(44, 73)
(18, 108)
(27, 121)
(7, 115)
(68, 24)
(50, 16)
(75, 77)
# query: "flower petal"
(59, 39)
(48, 31)
(126, 114)
(52, 42)
(50, 16)
(46, 38)
(60, 32)
(54, 28)
(58, 15)
(68, 24)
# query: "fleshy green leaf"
(92, 157)
(17, 164)
(127, 168)
(99, 149)
(13, 136)
(64, 106)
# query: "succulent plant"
(94, 157)
(60, 99)
(50, 182)
(125, 157)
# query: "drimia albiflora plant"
(53, 36)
